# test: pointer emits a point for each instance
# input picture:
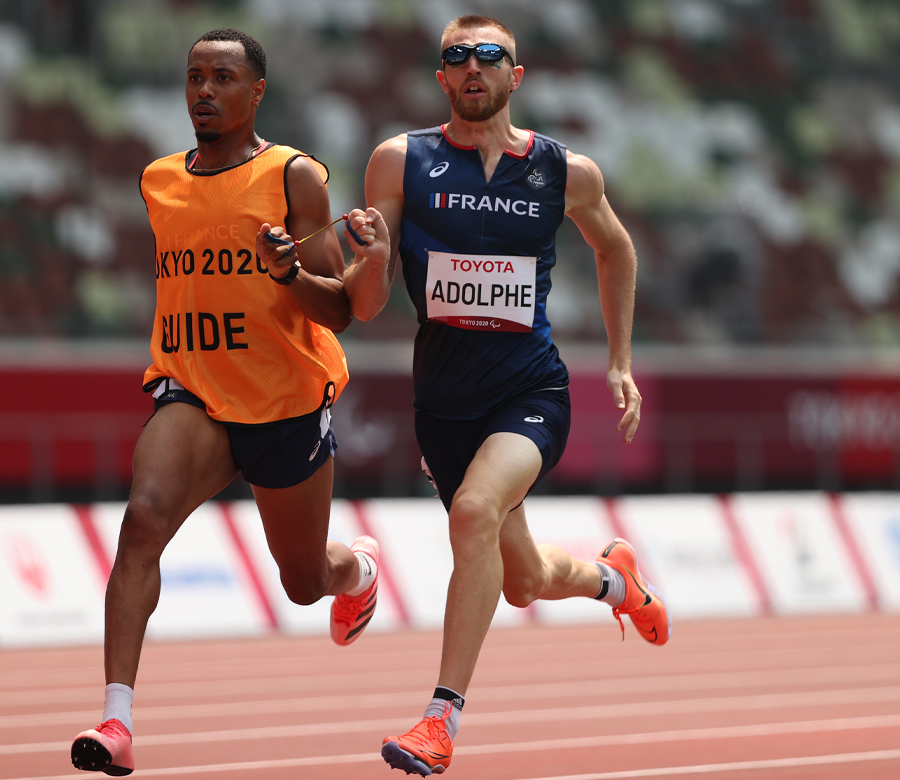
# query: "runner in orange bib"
(245, 370)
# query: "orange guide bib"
(223, 328)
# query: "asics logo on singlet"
(438, 169)
(456, 200)
(536, 418)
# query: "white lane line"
(570, 743)
(598, 688)
(219, 669)
(685, 735)
(240, 766)
(672, 771)
(739, 766)
(411, 666)
(192, 689)
(750, 703)
(166, 662)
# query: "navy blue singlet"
(466, 372)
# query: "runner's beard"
(478, 110)
(207, 136)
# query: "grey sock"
(612, 591)
(446, 704)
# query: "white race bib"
(481, 292)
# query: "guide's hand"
(276, 249)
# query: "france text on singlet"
(476, 259)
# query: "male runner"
(245, 369)
(472, 209)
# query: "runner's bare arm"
(614, 254)
(368, 280)
(318, 289)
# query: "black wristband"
(289, 276)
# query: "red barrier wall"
(77, 427)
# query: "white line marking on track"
(509, 693)
(358, 758)
(739, 766)
(409, 678)
(570, 743)
(239, 766)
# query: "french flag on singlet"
(439, 200)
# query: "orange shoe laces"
(617, 611)
(432, 728)
(348, 608)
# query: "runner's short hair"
(256, 57)
(476, 20)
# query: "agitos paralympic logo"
(455, 200)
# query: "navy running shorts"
(273, 455)
(449, 446)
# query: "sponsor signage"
(687, 553)
(799, 551)
(50, 591)
(874, 520)
(793, 553)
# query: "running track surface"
(786, 698)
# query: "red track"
(812, 698)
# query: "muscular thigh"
(467, 453)
(502, 472)
(450, 447)
(182, 458)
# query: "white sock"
(438, 706)
(117, 704)
(367, 569)
(612, 591)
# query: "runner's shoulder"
(388, 161)
(391, 149)
(584, 182)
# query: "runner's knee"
(145, 528)
(474, 523)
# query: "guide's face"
(221, 90)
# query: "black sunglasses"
(484, 52)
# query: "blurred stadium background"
(751, 147)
